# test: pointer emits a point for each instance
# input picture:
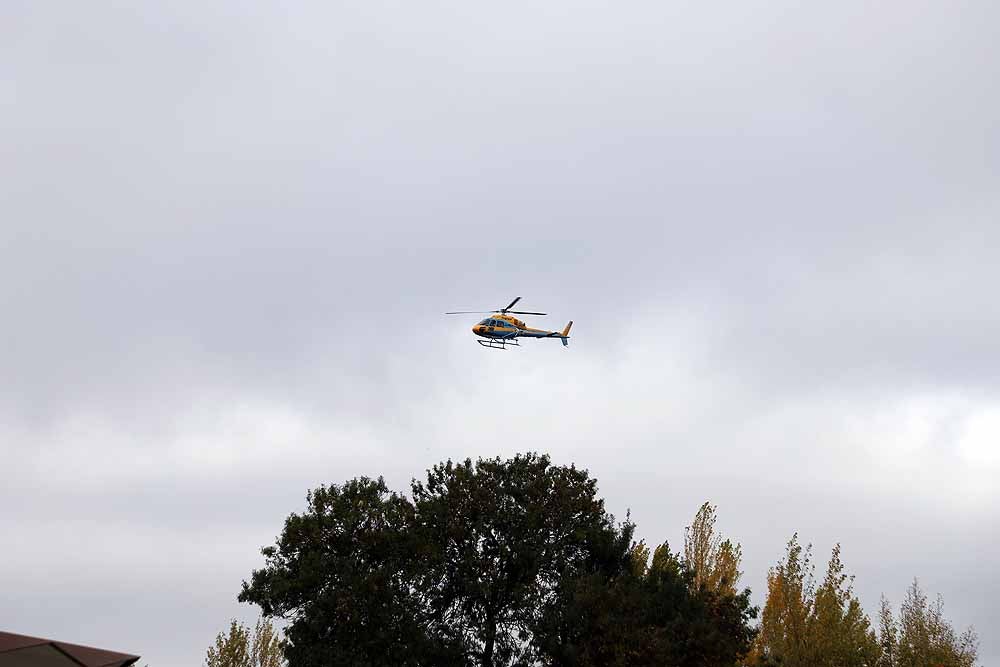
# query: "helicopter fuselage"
(505, 327)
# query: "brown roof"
(23, 650)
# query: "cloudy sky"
(228, 232)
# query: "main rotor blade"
(510, 305)
(523, 312)
(470, 312)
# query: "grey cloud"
(227, 235)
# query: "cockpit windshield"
(490, 322)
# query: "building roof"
(24, 651)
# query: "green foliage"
(347, 575)
(498, 537)
(241, 648)
(497, 562)
(888, 635)
(629, 614)
(516, 562)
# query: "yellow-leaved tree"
(242, 648)
(715, 562)
(783, 635)
(839, 632)
(805, 626)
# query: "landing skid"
(498, 343)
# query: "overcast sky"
(228, 233)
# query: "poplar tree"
(231, 649)
(923, 637)
(265, 649)
(714, 562)
(241, 648)
(805, 626)
(839, 632)
(888, 635)
(784, 626)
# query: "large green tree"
(455, 576)
(347, 576)
(639, 613)
(499, 537)
(497, 562)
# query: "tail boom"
(541, 333)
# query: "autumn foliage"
(803, 625)
(517, 563)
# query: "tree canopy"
(497, 562)
(639, 612)
(922, 636)
(243, 647)
(714, 562)
(516, 562)
(807, 626)
(347, 574)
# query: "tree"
(346, 575)
(667, 610)
(826, 627)
(922, 637)
(238, 648)
(266, 651)
(499, 538)
(715, 562)
(888, 635)
(805, 626)
(639, 614)
(839, 632)
(457, 576)
(230, 650)
(497, 562)
(785, 619)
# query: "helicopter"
(502, 329)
